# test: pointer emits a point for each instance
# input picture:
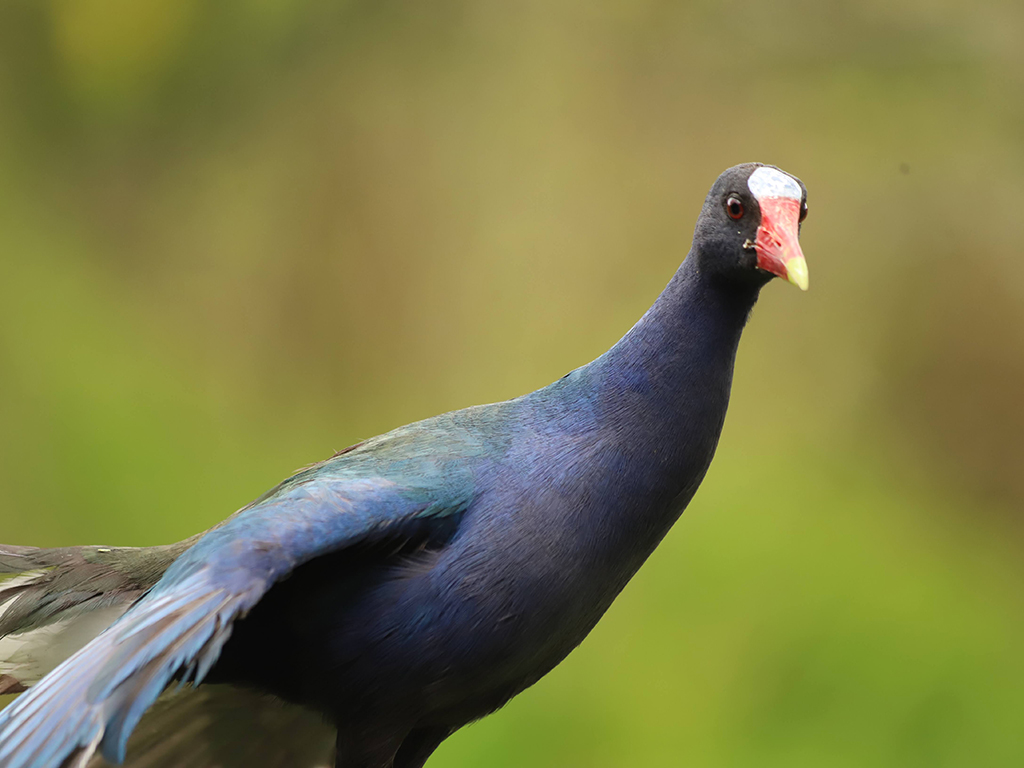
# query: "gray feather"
(69, 581)
(54, 601)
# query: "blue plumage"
(418, 580)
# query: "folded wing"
(95, 698)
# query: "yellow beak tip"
(796, 273)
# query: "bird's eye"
(734, 207)
(803, 210)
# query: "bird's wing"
(96, 697)
(54, 601)
(212, 726)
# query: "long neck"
(658, 397)
(677, 361)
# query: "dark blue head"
(749, 226)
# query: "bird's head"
(748, 230)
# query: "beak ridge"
(778, 244)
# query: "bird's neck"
(679, 356)
(658, 397)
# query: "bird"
(369, 606)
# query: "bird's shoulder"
(429, 469)
(429, 455)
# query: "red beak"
(778, 245)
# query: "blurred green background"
(236, 236)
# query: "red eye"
(734, 207)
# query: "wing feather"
(96, 697)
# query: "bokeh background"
(236, 236)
